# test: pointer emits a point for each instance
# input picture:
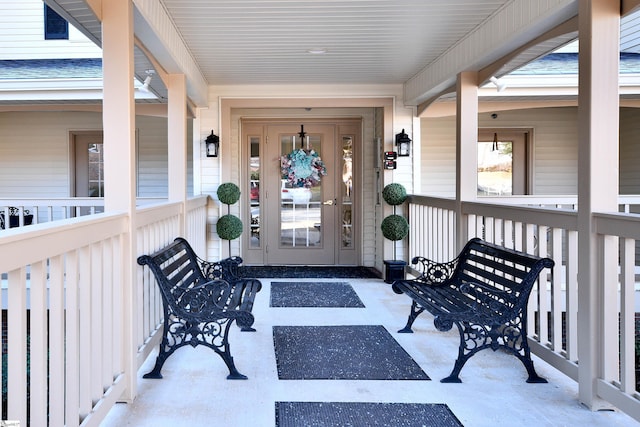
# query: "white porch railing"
(22, 212)
(70, 341)
(552, 231)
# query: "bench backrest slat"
(499, 279)
(175, 269)
(505, 267)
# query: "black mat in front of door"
(358, 352)
(314, 294)
(364, 414)
(311, 272)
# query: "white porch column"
(177, 140)
(466, 147)
(598, 123)
(119, 160)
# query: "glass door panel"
(254, 191)
(347, 192)
(300, 207)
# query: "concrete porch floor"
(195, 392)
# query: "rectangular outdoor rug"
(360, 352)
(356, 414)
(314, 294)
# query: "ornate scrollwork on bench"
(14, 217)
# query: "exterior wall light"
(403, 142)
(213, 143)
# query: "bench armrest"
(226, 269)
(434, 273)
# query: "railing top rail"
(68, 201)
(546, 200)
(551, 217)
(24, 245)
(438, 202)
(618, 224)
(80, 201)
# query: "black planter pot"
(393, 270)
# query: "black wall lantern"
(403, 143)
(213, 143)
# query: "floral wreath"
(302, 168)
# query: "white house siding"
(554, 149)
(22, 35)
(35, 159)
(630, 151)
(34, 152)
(152, 157)
(438, 156)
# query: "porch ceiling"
(262, 42)
(366, 41)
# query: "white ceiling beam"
(157, 33)
(510, 28)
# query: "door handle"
(328, 202)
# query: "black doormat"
(314, 294)
(359, 352)
(364, 414)
(311, 272)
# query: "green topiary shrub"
(394, 227)
(228, 193)
(229, 227)
(394, 194)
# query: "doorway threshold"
(303, 271)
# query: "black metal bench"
(484, 292)
(201, 300)
(14, 218)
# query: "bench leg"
(155, 372)
(215, 336)
(474, 337)
(233, 372)
(212, 334)
(413, 314)
(468, 334)
(534, 378)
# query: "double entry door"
(300, 192)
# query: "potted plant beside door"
(395, 228)
(229, 227)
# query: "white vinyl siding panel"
(152, 157)
(554, 149)
(22, 35)
(630, 151)
(34, 152)
(438, 157)
(35, 159)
